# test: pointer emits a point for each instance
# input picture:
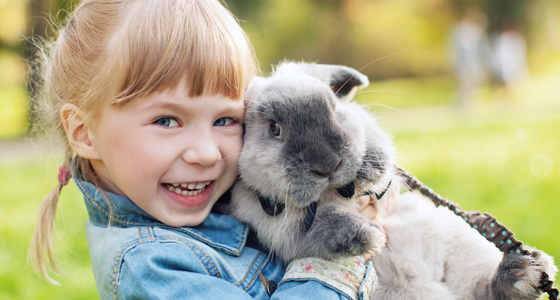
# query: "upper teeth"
(188, 185)
(192, 186)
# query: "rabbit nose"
(325, 168)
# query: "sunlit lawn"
(23, 184)
(509, 170)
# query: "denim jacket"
(138, 257)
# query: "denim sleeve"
(304, 290)
(152, 271)
(170, 271)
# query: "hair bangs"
(168, 41)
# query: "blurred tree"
(38, 20)
(508, 11)
(350, 32)
(354, 33)
(498, 11)
(39, 12)
(243, 9)
(44, 16)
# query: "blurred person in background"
(471, 54)
(510, 59)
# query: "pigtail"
(41, 252)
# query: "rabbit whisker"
(386, 56)
(386, 106)
(360, 70)
(223, 158)
(391, 91)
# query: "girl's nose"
(203, 150)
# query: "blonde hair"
(118, 50)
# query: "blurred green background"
(500, 155)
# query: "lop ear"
(344, 81)
(255, 85)
(253, 92)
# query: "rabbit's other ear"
(344, 81)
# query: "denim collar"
(221, 232)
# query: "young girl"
(148, 94)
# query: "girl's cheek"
(236, 136)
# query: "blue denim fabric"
(138, 257)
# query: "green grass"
(23, 184)
(509, 170)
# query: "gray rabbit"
(303, 141)
(309, 153)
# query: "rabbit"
(304, 140)
(309, 153)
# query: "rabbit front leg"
(337, 232)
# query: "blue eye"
(166, 122)
(223, 122)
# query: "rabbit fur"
(304, 140)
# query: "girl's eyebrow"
(166, 105)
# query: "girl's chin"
(190, 219)
(199, 200)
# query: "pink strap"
(64, 175)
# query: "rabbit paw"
(519, 276)
(337, 232)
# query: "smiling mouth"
(187, 189)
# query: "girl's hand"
(368, 210)
(368, 255)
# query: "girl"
(148, 96)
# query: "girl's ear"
(77, 132)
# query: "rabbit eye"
(275, 129)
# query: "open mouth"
(187, 188)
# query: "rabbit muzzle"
(321, 157)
